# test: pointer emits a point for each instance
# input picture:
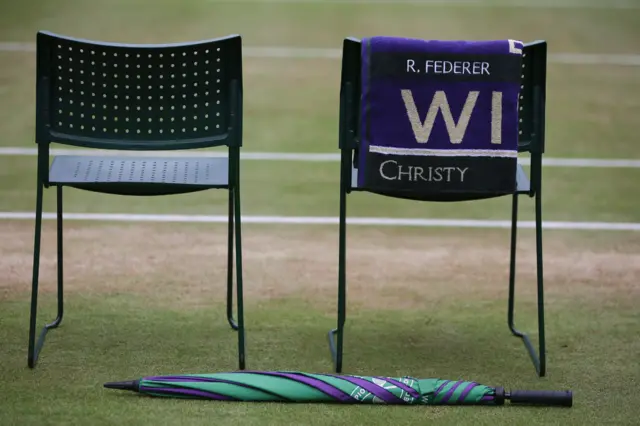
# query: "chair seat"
(139, 175)
(523, 186)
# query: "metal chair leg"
(60, 262)
(232, 322)
(36, 346)
(542, 370)
(337, 347)
(336, 336)
(538, 361)
(32, 356)
(239, 286)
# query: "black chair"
(530, 140)
(138, 97)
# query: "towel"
(439, 117)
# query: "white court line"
(326, 220)
(280, 52)
(304, 157)
(540, 4)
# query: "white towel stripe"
(423, 152)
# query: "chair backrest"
(533, 97)
(142, 97)
(531, 106)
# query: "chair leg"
(232, 322)
(32, 356)
(336, 336)
(540, 282)
(36, 346)
(239, 289)
(59, 237)
(538, 362)
(512, 265)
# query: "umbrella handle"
(561, 398)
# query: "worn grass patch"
(183, 265)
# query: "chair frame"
(45, 136)
(531, 140)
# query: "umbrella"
(292, 386)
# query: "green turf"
(570, 30)
(121, 337)
(311, 189)
(291, 104)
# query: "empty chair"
(138, 97)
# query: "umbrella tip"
(131, 385)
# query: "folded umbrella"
(292, 386)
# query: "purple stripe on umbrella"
(372, 388)
(196, 379)
(466, 391)
(323, 387)
(190, 392)
(411, 391)
(450, 392)
(444, 383)
(487, 398)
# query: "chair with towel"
(443, 121)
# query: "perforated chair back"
(127, 96)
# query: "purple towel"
(439, 116)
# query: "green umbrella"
(292, 386)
